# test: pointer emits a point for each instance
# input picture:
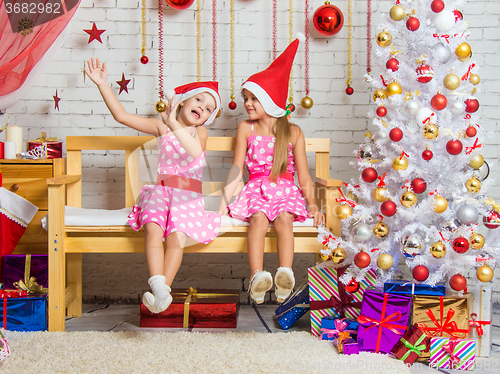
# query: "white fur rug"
(184, 352)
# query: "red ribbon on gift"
(6, 295)
(449, 348)
(448, 326)
(477, 324)
(384, 322)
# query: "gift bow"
(448, 326)
(477, 324)
(417, 347)
(491, 202)
(385, 322)
(340, 328)
(449, 348)
(30, 286)
(43, 139)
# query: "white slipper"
(261, 282)
(285, 281)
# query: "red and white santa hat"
(270, 86)
(186, 91)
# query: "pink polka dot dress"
(175, 209)
(260, 194)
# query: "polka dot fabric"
(261, 194)
(174, 209)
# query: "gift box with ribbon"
(346, 344)
(196, 308)
(50, 147)
(411, 345)
(329, 297)
(383, 320)
(403, 287)
(294, 307)
(23, 312)
(442, 316)
(332, 326)
(26, 272)
(480, 319)
(457, 354)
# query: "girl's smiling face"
(197, 109)
(254, 108)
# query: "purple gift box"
(17, 268)
(383, 321)
(351, 348)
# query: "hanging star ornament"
(123, 84)
(94, 33)
(56, 101)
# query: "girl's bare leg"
(256, 237)
(283, 224)
(173, 255)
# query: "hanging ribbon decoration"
(144, 59)
(368, 37)
(160, 105)
(306, 33)
(232, 105)
(198, 40)
(349, 90)
(470, 149)
(214, 40)
(275, 27)
(290, 37)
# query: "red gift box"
(411, 345)
(196, 308)
(53, 147)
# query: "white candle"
(15, 134)
(9, 150)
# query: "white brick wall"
(334, 114)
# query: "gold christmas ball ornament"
(438, 250)
(378, 194)
(474, 79)
(451, 81)
(379, 94)
(463, 50)
(384, 39)
(160, 106)
(463, 59)
(393, 88)
(344, 211)
(338, 255)
(431, 131)
(399, 163)
(440, 204)
(476, 241)
(351, 196)
(306, 102)
(473, 185)
(408, 199)
(397, 13)
(476, 162)
(385, 261)
(484, 273)
(381, 230)
(324, 257)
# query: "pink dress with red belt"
(260, 194)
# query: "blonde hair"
(282, 132)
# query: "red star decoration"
(94, 34)
(56, 101)
(123, 84)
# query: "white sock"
(161, 297)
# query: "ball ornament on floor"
(458, 282)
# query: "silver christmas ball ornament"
(366, 152)
(361, 232)
(452, 225)
(413, 245)
(467, 214)
(458, 108)
(441, 53)
(381, 138)
(412, 107)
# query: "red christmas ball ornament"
(144, 59)
(369, 175)
(471, 131)
(362, 260)
(439, 102)
(392, 64)
(418, 185)
(412, 24)
(460, 245)
(427, 155)
(328, 19)
(492, 220)
(291, 108)
(458, 282)
(454, 147)
(424, 73)
(232, 105)
(458, 15)
(352, 286)
(437, 6)
(396, 134)
(471, 105)
(388, 208)
(349, 90)
(420, 273)
(381, 111)
(179, 4)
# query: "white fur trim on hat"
(196, 91)
(267, 103)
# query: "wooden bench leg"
(74, 277)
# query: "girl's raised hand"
(318, 217)
(169, 115)
(96, 72)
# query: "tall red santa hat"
(270, 86)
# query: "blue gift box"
(26, 313)
(328, 322)
(295, 307)
(404, 287)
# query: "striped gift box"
(463, 349)
(323, 284)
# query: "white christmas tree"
(422, 191)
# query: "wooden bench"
(68, 243)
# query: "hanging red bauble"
(458, 282)
(437, 6)
(396, 134)
(439, 102)
(460, 245)
(418, 185)
(232, 105)
(328, 19)
(362, 259)
(352, 286)
(179, 4)
(381, 111)
(369, 175)
(492, 220)
(388, 208)
(427, 154)
(412, 24)
(392, 64)
(424, 73)
(471, 131)
(144, 59)
(291, 107)
(420, 273)
(349, 90)
(471, 105)
(458, 15)
(454, 147)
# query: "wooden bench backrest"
(132, 145)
